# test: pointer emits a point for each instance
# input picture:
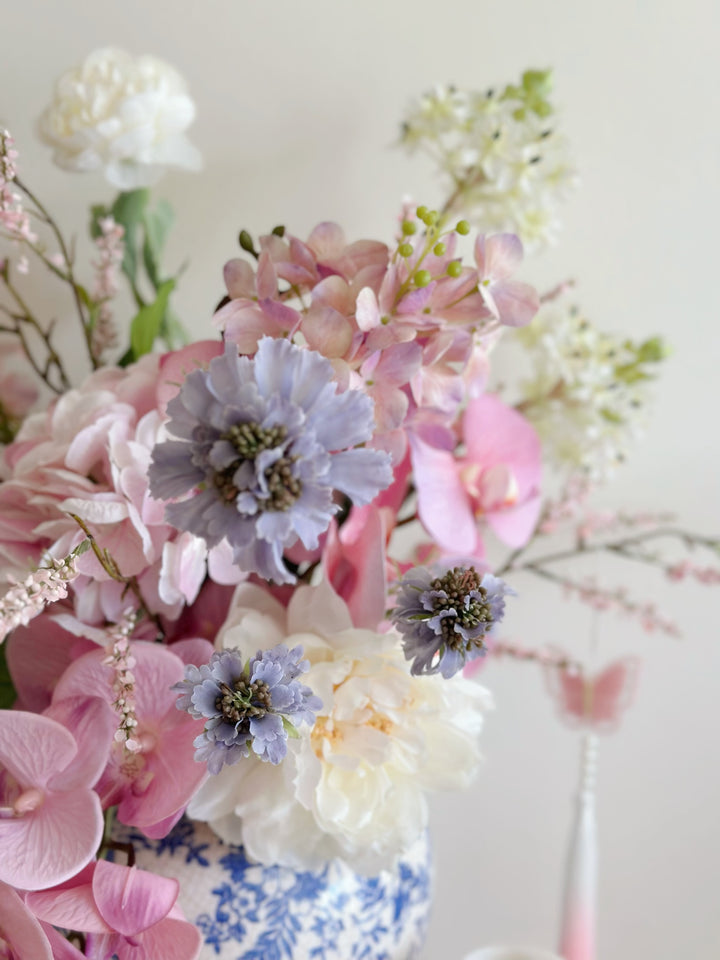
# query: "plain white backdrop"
(298, 104)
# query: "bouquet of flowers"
(249, 577)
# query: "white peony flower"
(353, 786)
(124, 115)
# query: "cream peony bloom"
(123, 115)
(353, 786)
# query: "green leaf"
(8, 695)
(157, 225)
(651, 351)
(290, 729)
(611, 416)
(129, 211)
(97, 212)
(147, 322)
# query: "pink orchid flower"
(20, 932)
(153, 786)
(354, 564)
(51, 821)
(510, 302)
(497, 480)
(127, 913)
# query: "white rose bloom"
(123, 115)
(353, 786)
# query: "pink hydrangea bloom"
(88, 454)
(51, 820)
(152, 785)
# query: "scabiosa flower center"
(246, 706)
(445, 616)
(461, 594)
(244, 700)
(262, 446)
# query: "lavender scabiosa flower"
(445, 616)
(264, 443)
(256, 704)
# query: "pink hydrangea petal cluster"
(404, 345)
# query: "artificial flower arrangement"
(210, 611)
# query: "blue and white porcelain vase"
(246, 911)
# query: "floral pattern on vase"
(247, 911)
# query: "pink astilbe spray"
(111, 247)
(120, 658)
(27, 598)
(14, 219)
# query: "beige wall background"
(298, 104)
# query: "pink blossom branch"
(27, 598)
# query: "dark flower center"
(468, 612)
(249, 440)
(244, 700)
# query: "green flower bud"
(454, 269)
(405, 250)
(408, 227)
(439, 249)
(421, 212)
(422, 278)
(463, 228)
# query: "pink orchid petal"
(495, 433)
(19, 929)
(175, 775)
(37, 655)
(71, 906)
(131, 900)
(443, 504)
(92, 723)
(33, 748)
(515, 525)
(156, 670)
(354, 564)
(516, 303)
(160, 829)
(498, 256)
(50, 844)
(170, 938)
(61, 948)
(193, 650)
